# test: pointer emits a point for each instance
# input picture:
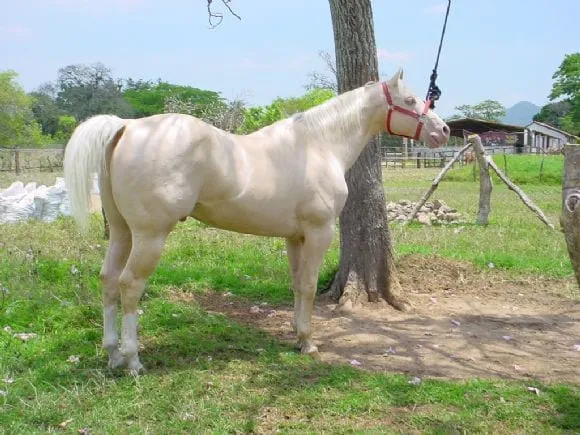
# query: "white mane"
(333, 120)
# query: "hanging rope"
(433, 93)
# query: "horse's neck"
(344, 125)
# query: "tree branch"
(213, 16)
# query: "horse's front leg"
(317, 240)
(294, 251)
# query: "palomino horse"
(285, 180)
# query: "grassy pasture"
(208, 374)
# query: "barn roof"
(479, 126)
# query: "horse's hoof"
(309, 349)
(135, 368)
(116, 360)
(133, 364)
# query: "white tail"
(85, 155)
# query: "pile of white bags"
(19, 202)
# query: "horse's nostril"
(446, 130)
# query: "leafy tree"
(489, 110)
(259, 117)
(66, 126)
(147, 98)
(566, 87)
(87, 90)
(553, 113)
(229, 117)
(45, 111)
(313, 97)
(17, 124)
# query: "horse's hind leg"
(119, 248)
(146, 250)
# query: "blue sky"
(503, 50)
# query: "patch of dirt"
(465, 323)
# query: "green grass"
(515, 239)
(205, 372)
(208, 374)
(520, 168)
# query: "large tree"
(489, 110)
(367, 269)
(87, 90)
(17, 123)
(566, 88)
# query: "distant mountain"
(520, 113)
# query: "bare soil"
(465, 323)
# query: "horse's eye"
(410, 101)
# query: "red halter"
(394, 108)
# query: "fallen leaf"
(354, 362)
(73, 359)
(534, 390)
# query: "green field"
(209, 374)
(522, 169)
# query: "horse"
(285, 180)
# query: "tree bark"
(367, 271)
(570, 218)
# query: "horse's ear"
(397, 76)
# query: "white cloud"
(92, 5)
(393, 56)
(436, 9)
(14, 32)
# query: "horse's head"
(410, 116)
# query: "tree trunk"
(570, 218)
(367, 270)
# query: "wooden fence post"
(16, 160)
(570, 218)
(485, 185)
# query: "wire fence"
(18, 160)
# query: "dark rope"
(433, 93)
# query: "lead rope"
(433, 93)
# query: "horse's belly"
(278, 222)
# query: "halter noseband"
(394, 108)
